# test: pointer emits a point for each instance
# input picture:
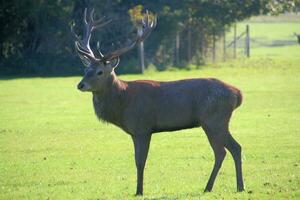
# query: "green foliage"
(35, 36)
(136, 14)
(280, 6)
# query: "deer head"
(100, 68)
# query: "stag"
(144, 107)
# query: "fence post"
(247, 41)
(141, 52)
(224, 46)
(164, 53)
(234, 41)
(214, 47)
(189, 42)
(203, 46)
(177, 46)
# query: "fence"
(230, 45)
(246, 40)
(237, 42)
(184, 47)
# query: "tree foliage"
(36, 39)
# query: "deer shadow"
(174, 196)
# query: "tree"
(36, 39)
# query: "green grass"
(53, 147)
(283, 18)
(272, 31)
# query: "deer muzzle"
(82, 86)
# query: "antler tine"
(99, 50)
(149, 25)
(100, 20)
(90, 24)
(99, 23)
(82, 45)
(143, 33)
(84, 16)
(95, 24)
(116, 63)
(119, 52)
(73, 33)
(92, 15)
(82, 49)
(147, 13)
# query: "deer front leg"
(141, 148)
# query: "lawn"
(53, 147)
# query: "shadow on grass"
(179, 196)
(28, 76)
(12, 77)
(81, 73)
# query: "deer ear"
(112, 64)
(115, 62)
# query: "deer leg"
(235, 149)
(141, 148)
(220, 153)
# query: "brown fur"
(163, 106)
(144, 107)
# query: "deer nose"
(80, 86)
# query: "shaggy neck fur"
(108, 104)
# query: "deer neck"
(108, 104)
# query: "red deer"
(144, 107)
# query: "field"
(269, 36)
(53, 147)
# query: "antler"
(83, 46)
(147, 26)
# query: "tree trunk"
(176, 49)
(214, 47)
(224, 46)
(247, 41)
(141, 53)
(234, 41)
(189, 49)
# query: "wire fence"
(237, 42)
(241, 43)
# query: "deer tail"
(239, 96)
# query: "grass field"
(53, 147)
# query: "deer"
(144, 107)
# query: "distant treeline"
(35, 34)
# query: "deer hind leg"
(220, 153)
(235, 149)
(219, 137)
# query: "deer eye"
(99, 73)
